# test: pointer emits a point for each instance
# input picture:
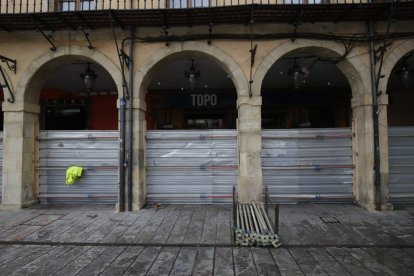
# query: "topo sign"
(204, 99)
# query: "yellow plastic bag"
(72, 173)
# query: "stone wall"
(233, 56)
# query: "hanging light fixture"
(88, 77)
(297, 76)
(192, 74)
(407, 76)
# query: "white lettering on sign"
(204, 99)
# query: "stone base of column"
(368, 206)
(387, 207)
(4, 206)
(136, 206)
(372, 207)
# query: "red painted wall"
(102, 113)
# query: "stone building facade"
(345, 43)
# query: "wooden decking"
(197, 240)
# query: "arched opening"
(77, 124)
(191, 142)
(190, 93)
(400, 90)
(69, 102)
(306, 122)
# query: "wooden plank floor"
(197, 240)
(137, 260)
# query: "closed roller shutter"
(401, 164)
(1, 164)
(95, 151)
(308, 164)
(187, 166)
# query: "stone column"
(383, 137)
(363, 148)
(363, 151)
(139, 157)
(249, 145)
(21, 128)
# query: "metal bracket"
(210, 31)
(253, 50)
(7, 85)
(379, 52)
(253, 55)
(11, 63)
(165, 29)
(383, 49)
(296, 22)
(53, 48)
(124, 57)
(210, 27)
(90, 47)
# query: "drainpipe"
(122, 103)
(130, 114)
(375, 118)
(121, 164)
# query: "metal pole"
(267, 199)
(246, 222)
(375, 118)
(130, 115)
(260, 218)
(276, 218)
(235, 217)
(269, 225)
(121, 164)
(254, 220)
(241, 219)
(251, 229)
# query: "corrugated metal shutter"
(1, 165)
(185, 166)
(308, 164)
(95, 151)
(401, 163)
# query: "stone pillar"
(383, 137)
(138, 155)
(19, 155)
(363, 151)
(363, 148)
(249, 139)
(139, 158)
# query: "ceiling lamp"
(407, 76)
(88, 77)
(192, 74)
(297, 76)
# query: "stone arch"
(392, 59)
(358, 74)
(196, 49)
(142, 78)
(31, 81)
(354, 70)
